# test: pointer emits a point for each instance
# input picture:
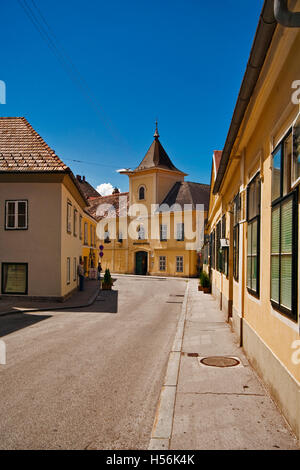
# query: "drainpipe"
(284, 16)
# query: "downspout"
(284, 16)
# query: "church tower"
(152, 180)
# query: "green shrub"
(107, 279)
(204, 279)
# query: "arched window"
(142, 193)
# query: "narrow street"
(89, 379)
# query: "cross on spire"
(156, 134)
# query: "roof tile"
(23, 149)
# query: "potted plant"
(200, 286)
(107, 282)
(205, 283)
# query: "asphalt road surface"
(89, 379)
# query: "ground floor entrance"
(141, 263)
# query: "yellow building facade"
(90, 252)
(40, 245)
(147, 231)
(253, 221)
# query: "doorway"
(141, 263)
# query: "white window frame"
(75, 269)
(69, 217)
(141, 233)
(91, 235)
(181, 225)
(163, 232)
(80, 227)
(179, 264)
(16, 214)
(86, 234)
(68, 271)
(163, 262)
(75, 232)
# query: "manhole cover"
(220, 361)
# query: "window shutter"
(275, 253)
(286, 254)
(249, 243)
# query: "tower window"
(142, 193)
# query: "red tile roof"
(22, 149)
(87, 188)
(112, 200)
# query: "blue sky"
(179, 62)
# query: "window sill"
(15, 228)
(285, 312)
(253, 293)
(14, 293)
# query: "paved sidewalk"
(78, 299)
(215, 408)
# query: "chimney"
(83, 178)
(78, 177)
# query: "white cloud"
(105, 189)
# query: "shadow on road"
(18, 321)
(106, 302)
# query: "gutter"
(262, 41)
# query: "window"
(75, 222)
(91, 235)
(68, 270)
(224, 254)
(162, 263)
(179, 264)
(75, 269)
(141, 233)
(142, 193)
(106, 237)
(80, 227)
(284, 249)
(296, 151)
(69, 217)
(163, 233)
(16, 215)
(212, 249)
(236, 235)
(218, 247)
(253, 235)
(86, 234)
(205, 253)
(180, 232)
(15, 278)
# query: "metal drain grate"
(220, 361)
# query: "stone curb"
(164, 278)
(163, 422)
(53, 309)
